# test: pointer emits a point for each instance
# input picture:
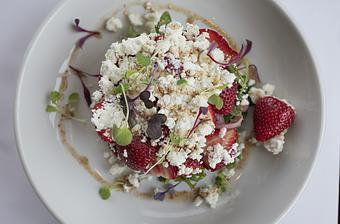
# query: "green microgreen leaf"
(55, 96)
(131, 32)
(164, 19)
(182, 82)
(216, 100)
(119, 90)
(193, 180)
(130, 73)
(122, 136)
(222, 87)
(104, 192)
(177, 140)
(51, 108)
(73, 98)
(143, 60)
(221, 181)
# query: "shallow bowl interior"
(268, 185)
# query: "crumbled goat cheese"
(251, 82)
(97, 95)
(133, 179)
(176, 158)
(268, 89)
(255, 94)
(210, 195)
(117, 169)
(198, 201)
(217, 154)
(136, 19)
(275, 144)
(110, 113)
(217, 54)
(113, 24)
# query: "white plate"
(268, 185)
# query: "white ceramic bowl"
(269, 184)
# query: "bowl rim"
(279, 6)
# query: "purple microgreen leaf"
(83, 73)
(245, 49)
(152, 75)
(253, 73)
(78, 28)
(132, 119)
(160, 196)
(145, 97)
(202, 110)
(86, 91)
(159, 118)
(154, 130)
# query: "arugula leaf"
(164, 20)
(55, 96)
(51, 108)
(181, 82)
(143, 60)
(73, 98)
(216, 100)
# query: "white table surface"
(319, 21)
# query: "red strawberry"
(193, 163)
(139, 156)
(227, 141)
(271, 117)
(169, 172)
(222, 43)
(228, 96)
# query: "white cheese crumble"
(117, 169)
(176, 158)
(136, 19)
(113, 24)
(210, 195)
(133, 179)
(275, 144)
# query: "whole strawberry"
(228, 96)
(137, 155)
(271, 117)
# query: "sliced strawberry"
(228, 96)
(271, 117)
(169, 172)
(227, 141)
(222, 43)
(211, 113)
(106, 135)
(193, 163)
(137, 155)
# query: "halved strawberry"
(137, 155)
(222, 43)
(105, 134)
(227, 141)
(169, 172)
(271, 117)
(228, 96)
(211, 113)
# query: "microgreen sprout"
(86, 92)
(164, 20)
(221, 181)
(90, 33)
(216, 100)
(161, 195)
(181, 82)
(123, 135)
(193, 180)
(105, 192)
(202, 110)
(143, 60)
(65, 110)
